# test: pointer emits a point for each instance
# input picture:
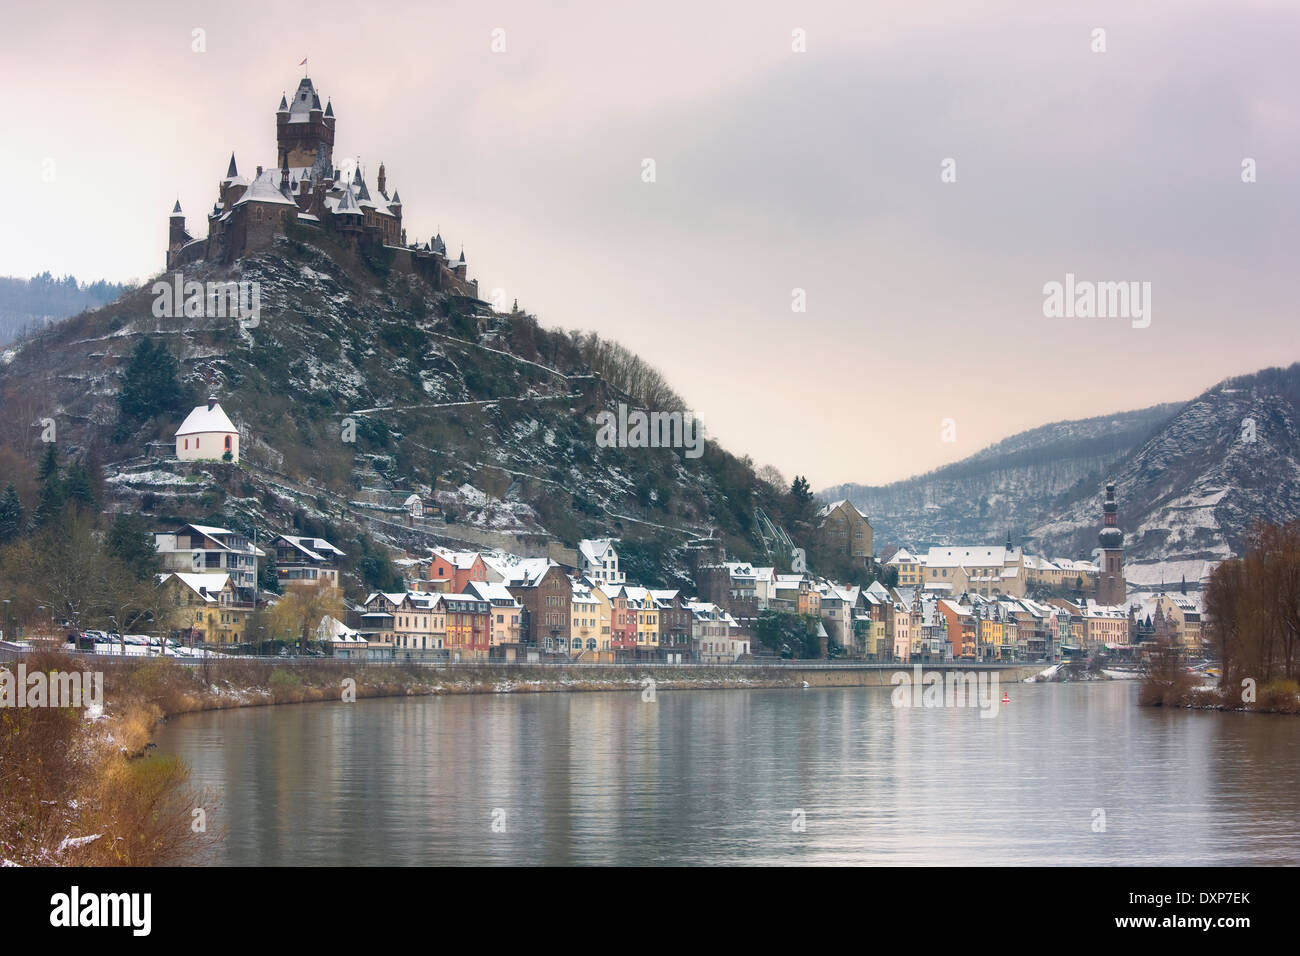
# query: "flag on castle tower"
(304, 62)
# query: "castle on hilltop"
(307, 189)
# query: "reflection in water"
(714, 777)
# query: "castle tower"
(1110, 582)
(303, 129)
(176, 235)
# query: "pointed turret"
(347, 205)
(329, 109)
(232, 171)
(284, 104)
(176, 210)
(462, 255)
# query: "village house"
(962, 628)
(622, 620)
(342, 642)
(845, 534)
(585, 618)
(206, 608)
(837, 605)
(419, 625)
(674, 625)
(1178, 619)
(452, 571)
(468, 622)
(543, 588)
(598, 560)
(200, 549)
(910, 568)
(715, 635)
(641, 603)
(305, 561)
(506, 610)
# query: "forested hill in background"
(1193, 480)
(1011, 486)
(1190, 495)
(32, 304)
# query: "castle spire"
(231, 171)
(176, 210)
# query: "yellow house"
(584, 618)
(910, 569)
(205, 608)
(647, 618)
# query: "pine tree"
(49, 463)
(130, 541)
(149, 385)
(77, 488)
(11, 515)
(52, 495)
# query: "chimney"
(212, 403)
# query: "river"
(1064, 774)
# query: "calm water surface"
(713, 777)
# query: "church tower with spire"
(1111, 589)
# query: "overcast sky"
(775, 170)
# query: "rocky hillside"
(1191, 479)
(1009, 487)
(1190, 494)
(489, 417)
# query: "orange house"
(961, 628)
(469, 625)
(457, 567)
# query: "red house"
(458, 568)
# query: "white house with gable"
(207, 434)
(599, 561)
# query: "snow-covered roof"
(312, 547)
(266, 188)
(594, 549)
(965, 556)
(204, 585)
(529, 571)
(461, 560)
(336, 632)
(493, 591)
(205, 419)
